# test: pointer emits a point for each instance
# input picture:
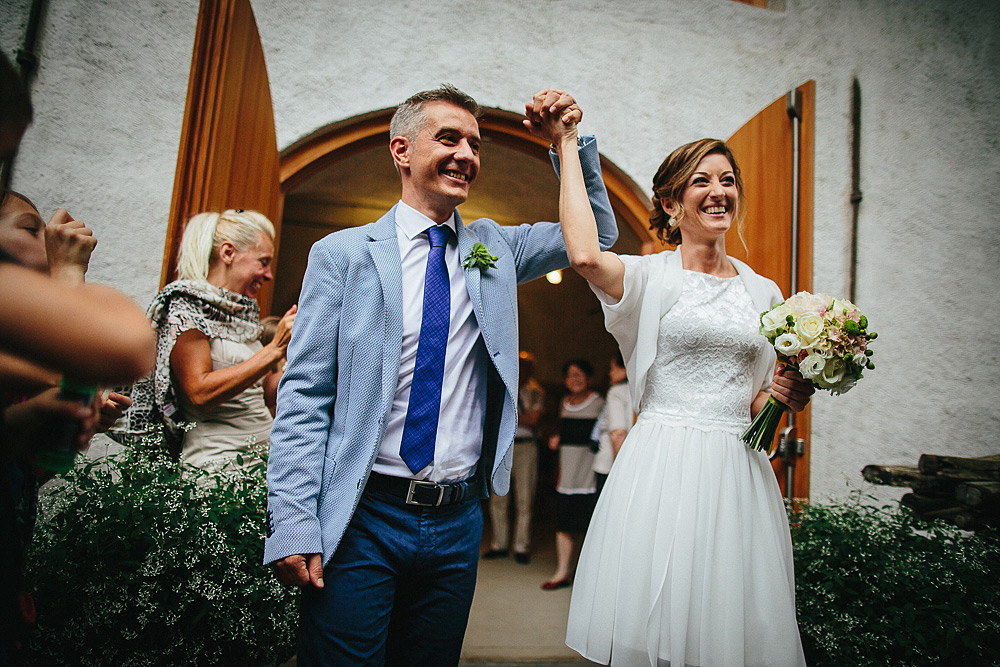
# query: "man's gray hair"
(410, 118)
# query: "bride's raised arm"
(552, 113)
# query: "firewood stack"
(962, 491)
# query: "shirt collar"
(413, 222)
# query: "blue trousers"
(398, 589)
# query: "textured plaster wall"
(109, 100)
(650, 75)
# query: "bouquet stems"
(760, 434)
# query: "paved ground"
(513, 619)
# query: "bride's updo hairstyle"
(206, 232)
(672, 177)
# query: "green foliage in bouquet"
(877, 586)
(136, 563)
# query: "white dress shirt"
(463, 392)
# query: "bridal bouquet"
(824, 339)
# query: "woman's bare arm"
(89, 332)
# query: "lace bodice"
(707, 348)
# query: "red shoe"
(555, 584)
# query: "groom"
(397, 409)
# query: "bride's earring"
(673, 222)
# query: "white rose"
(774, 319)
(812, 366)
(832, 374)
(808, 327)
(787, 344)
(804, 302)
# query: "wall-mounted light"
(554, 277)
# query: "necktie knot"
(438, 235)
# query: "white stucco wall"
(650, 75)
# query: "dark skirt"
(573, 511)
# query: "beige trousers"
(523, 478)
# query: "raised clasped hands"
(791, 388)
(68, 246)
(552, 115)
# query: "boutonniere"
(479, 258)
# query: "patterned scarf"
(180, 306)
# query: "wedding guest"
(211, 369)
(576, 489)
(614, 423)
(523, 471)
(91, 333)
(688, 560)
(47, 328)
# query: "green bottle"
(59, 453)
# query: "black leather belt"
(426, 494)
(530, 439)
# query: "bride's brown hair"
(671, 179)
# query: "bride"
(688, 559)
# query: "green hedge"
(876, 586)
(135, 563)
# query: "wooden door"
(765, 152)
(228, 155)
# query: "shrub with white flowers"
(138, 560)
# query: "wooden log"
(890, 475)
(909, 476)
(984, 467)
(921, 503)
(974, 520)
(975, 494)
(946, 513)
(969, 521)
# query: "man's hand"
(791, 389)
(552, 115)
(111, 409)
(300, 570)
(68, 245)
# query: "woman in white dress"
(688, 558)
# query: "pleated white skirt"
(688, 559)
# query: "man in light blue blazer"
(397, 409)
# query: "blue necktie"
(420, 427)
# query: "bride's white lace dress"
(688, 559)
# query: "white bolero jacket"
(652, 285)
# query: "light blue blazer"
(343, 363)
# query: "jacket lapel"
(384, 248)
(466, 239)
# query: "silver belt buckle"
(414, 483)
